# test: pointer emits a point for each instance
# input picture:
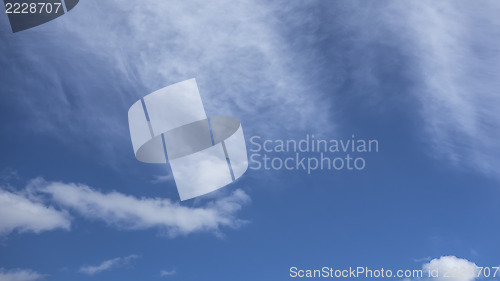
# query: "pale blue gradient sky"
(420, 78)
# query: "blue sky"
(420, 77)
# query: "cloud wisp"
(107, 265)
(167, 273)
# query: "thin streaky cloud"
(107, 265)
(456, 58)
(451, 59)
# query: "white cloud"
(30, 210)
(446, 265)
(166, 273)
(129, 212)
(25, 215)
(19, 275)
(107, 265)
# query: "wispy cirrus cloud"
(454, 45)
(107, 265)
(242, 63)
(451, 58)
(438, 60)
(241, 60)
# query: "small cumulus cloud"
(445, 267)
(446, 264)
